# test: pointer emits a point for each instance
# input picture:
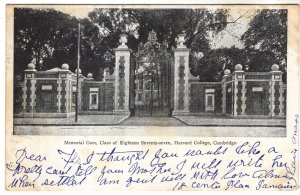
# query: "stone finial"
(180, 41)
(79, 71)
(238, 67)
(106, 73)
(90, 75)
(31, 66)
(152, 36)
(226, 72)
(274, 67)
(65, 67)
(123, 40)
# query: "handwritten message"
(205, 166)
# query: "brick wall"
(198, 99)
(46, 99)
(257, 102)
(105, 95)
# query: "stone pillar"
(243, 99)
(276, 92)
(59, 88)
(29, 92)
(239, 97)
(281, 100)
(69, 92)
(181, 80)
(63, 89)
(122, 75)
(226, 74)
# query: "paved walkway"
(123, 120)
(171, 132)
(152, 121)
(117, 125)
(82, 120)
(216, 121)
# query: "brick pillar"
(276, 92)
(226, 74)
(181, 80)
(122, 75)
(29, 92)
(239, 98)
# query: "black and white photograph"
(151, 67)
(151, 97)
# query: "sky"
(226, 38)
(233, 32)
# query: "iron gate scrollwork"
(151, 79)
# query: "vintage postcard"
(152, 97)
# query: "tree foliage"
(167, 23)
(266, 40)
(211, 66)
(41, 35)
(265, 44)
(48, 38)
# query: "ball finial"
(227, 72)
(31, 66)
(238, 67)
(274, 67)
(65, 67)
(90, 75)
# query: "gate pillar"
(276, 92)
(29, 92)
(181, 80)
(239, 91)
(122, 74)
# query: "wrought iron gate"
(151, 79)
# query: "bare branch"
(232, 34)
(228, 22)
(241, 16)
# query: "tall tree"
(48, 37)
(167, 23)
(266, 40)
(41, 34)
(210, 66)
(111, 23)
